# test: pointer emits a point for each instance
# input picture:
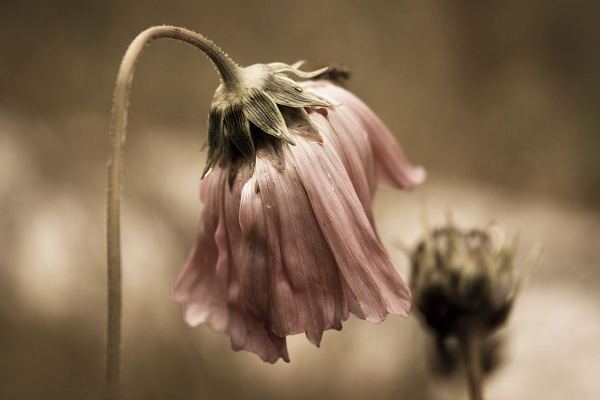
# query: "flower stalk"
(468, 337)
(229, 73)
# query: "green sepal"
(262, 111)
(281, 68)
(270, 149)
(216, 139)
(286, 92)
(238, 130)
(299, 123)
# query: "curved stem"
(230, 77)
(469, 346)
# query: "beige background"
(498, 100)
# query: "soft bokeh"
(498, 100)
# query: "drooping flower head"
(286, 241)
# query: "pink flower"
(291, 247)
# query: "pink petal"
(392, 167)
(209, 284)
(374, 286)
(198, 286)
(246, 332)
(349, 139)
(250, 335)
(289, 276)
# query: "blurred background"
(498, 100)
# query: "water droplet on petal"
(269, 205)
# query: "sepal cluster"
(257, 97)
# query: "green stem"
(469, 345)
(228, 71)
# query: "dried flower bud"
(463, 277)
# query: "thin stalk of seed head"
(228, 71)
(469, 348)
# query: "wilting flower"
(286, 242)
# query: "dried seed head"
(464, 275)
